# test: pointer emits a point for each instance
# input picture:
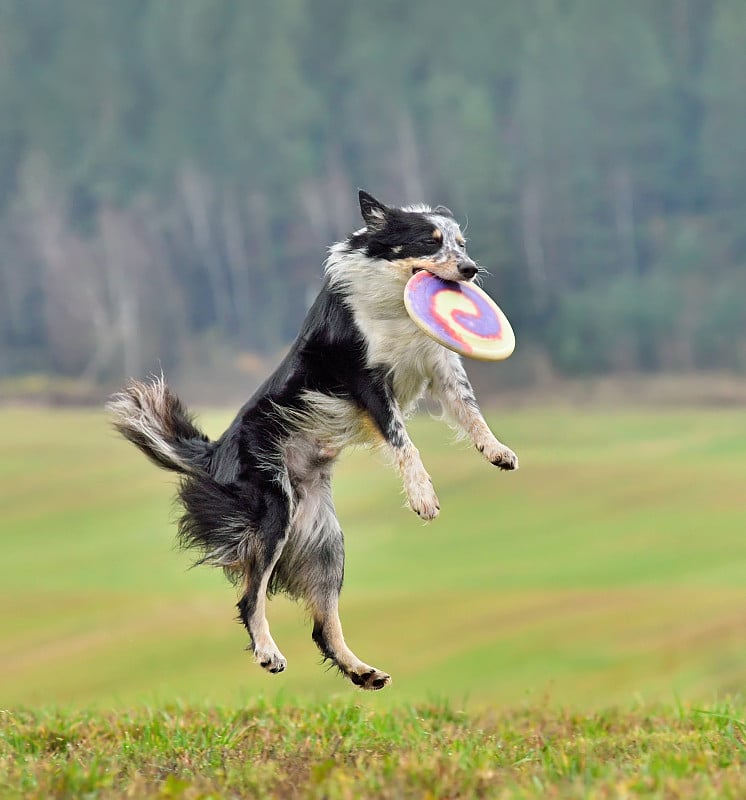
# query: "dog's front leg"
(417, 483)
(381, 404)
(451, 387)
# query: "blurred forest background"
(171, 173)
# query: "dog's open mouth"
(461, 279)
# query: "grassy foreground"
(344, 751)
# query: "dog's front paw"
(423, 500)
(498, 454)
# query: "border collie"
(258, 501)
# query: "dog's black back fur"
(328, 357)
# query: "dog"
(257, 501)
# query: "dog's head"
(413, 239)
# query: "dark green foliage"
(171, 172)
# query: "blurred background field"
(608, 569)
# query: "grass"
(336, 750)
(606, 574)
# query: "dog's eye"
(461, 243)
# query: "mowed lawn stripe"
(591, 646)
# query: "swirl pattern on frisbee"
(460, 316)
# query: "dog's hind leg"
(267, 549)
(324, 570)
(312, 568)
(327, 633)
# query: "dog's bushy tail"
(153, 418)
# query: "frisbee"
(460, 316)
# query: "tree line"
(172, 172)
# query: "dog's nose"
(467, 269)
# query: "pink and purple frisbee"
(460, 316)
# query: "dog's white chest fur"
(410, 357)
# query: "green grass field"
(607, 573)
(339, 750)
(609, 568)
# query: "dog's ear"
(444, 211)
(374, 213)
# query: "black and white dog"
(258, 500)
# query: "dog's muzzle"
(467, 269)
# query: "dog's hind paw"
(371, 679)
(273, 662)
